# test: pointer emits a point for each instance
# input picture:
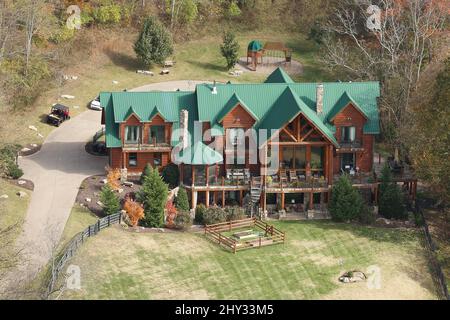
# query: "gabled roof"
(286, 108)
(129, 113)
(231, 104)
(343, 102)
(200, 154)
(156, 112)
(279, 76)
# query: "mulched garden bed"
(90, 189)
(23, 183)
(30, 149)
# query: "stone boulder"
(353, 276)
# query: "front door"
(347, 161)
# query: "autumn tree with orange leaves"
(134, 211)
(113, 177)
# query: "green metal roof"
(272, 104)
(200, 154)
(287, 107)
(230, 105)
(254, 45)
(343, 101)
(279, 76)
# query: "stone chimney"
(319, 98)
(184, 128)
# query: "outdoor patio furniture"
(293, 175)
(229, 174)
(283, 177)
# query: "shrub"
(64, 34)
(234, 213)
(134, 211)
(171, 213)
(346, 203)
(111, 203)
(214, 215)
(113, 177)
(230, 49)
(181, 200)
(200, 214)
(107, 14)
(154, 43)
(153, 196)
(171, 175)
(183, 220)
(145, 172)
(366, 216)
(14, 171)
(391, 204)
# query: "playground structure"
(270, 53)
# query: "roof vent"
(319, 98)
(214, 89)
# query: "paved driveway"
(57, 171)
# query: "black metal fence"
(73, 245)
(438, 275)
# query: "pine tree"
(181, 200)
(154, 44)
(145, 172)
(153, 196)
(108, 197)
(230, 49)
(391, 204)
(346, 203)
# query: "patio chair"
(283, 177)
(293, 175)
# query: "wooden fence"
(271, 234)
(73, 245)
(438, 275)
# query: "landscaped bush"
(153, 196)
(230, 49)
(183, 220)
(214, 215)
(200, 214)
(110, 200)
(171, 175)
(145, 172)
(235, 213)
(346, 203)
(14, 171)
(181, 201)
(134, 211)
(391, 202)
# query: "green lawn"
(118, 264)
(195, 60)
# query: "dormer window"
(348, 134)
(157, 135)
(132, 134)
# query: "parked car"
(95, 104)
(58, 114)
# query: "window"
(157, 159)
(347, 161)
(132, 159)
(132, 134)
(300, 157)
(316, 157)
(287, 157)
(157, 135)
(235, 136)
(348, 134)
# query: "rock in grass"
(4, 196)
(88, 199)
(67, 96)
(32, 128)
(21, 182)
(22, 194)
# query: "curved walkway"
(57, 171)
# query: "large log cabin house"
(321, 129)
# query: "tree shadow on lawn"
(391, 235)
(123, 60)
(207, 66)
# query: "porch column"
(223, 198)
(193, 175)
(308, 161)
(194, 199)
(330, 165)
(240, 198)
(181, 173)
(207, 198)
(311, 198)
(282, 200)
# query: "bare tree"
(394, 53)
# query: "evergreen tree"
(181, 200)
(108, 197)
(230, 49)
(145, 172)
(154, 44)
(153, 196)
(346, 203)
(391, 204)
